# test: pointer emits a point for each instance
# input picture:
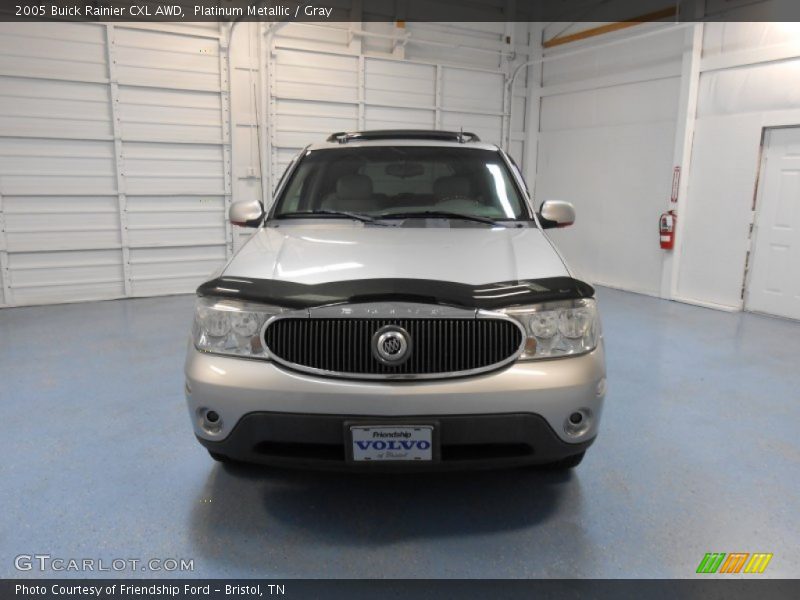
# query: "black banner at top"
(400, 11)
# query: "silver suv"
(399, 306)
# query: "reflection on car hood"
(312, 253)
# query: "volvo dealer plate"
(392, 442)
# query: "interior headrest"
(453, 185)
(355, 187)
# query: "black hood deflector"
(489, 296)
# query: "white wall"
(608, 124)
(607, 130)
(735, 103)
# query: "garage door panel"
(43, 277)
(296, 140)
(148, 114)
(56, 166)
(173, 168)
(379, 117)
(168, 78)
(393, 82)
(320, 74)
(312, 108)
(399, 98)
(335, 35)
(313, 124)
(54, 108)
(76, 32)
(26, 232)
(177, 235)
(201, 64)
(156, 271)
(75, 203)
(311, 91)
(164, 59)
(330, 78)
(70, 51)
(470, 89)
(61, 222)
(295, 58)
(175, 221)
(170, 221)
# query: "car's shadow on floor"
(251, 510)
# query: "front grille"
(438, 346)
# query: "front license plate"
(392, 442)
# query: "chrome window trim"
(466, 314)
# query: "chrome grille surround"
(369, 317)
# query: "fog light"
(578, 423)
(210, 420)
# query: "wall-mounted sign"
(676, 179)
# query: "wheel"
(569, 462)
(220, 457)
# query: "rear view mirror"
(556, 213)
(246, 213)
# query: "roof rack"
(461, 137)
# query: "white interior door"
(774, 285)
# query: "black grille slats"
(438, 346)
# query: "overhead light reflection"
(500, 187)
(316, 270)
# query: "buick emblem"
(391, 345)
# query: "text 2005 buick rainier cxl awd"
(399, 306)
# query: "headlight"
(558, 328)
(231, 327)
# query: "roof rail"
(461, 137)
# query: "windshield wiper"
(439, 214)
(327, 213)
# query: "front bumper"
(261, 403)
(464, 441)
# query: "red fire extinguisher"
(666, 229)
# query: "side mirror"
(556, 213)
(246, 213)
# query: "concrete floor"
(698, 452)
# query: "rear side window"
(390, 179)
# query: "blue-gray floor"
(699, 451)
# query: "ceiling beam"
(657, 15)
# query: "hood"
(313, 253)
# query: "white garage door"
(774, 285)
(114, 160)
(314, 93)
(115, 139)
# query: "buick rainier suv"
(398, 306)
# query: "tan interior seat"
(353, 194)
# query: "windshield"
(401, 181)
